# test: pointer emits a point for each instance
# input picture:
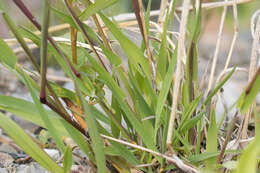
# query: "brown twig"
(77, 20)
(229, 133)
(29, 15)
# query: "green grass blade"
(79, 140)
(212, 140)
(7, 56)
(54, 133)
(28, 111)
(27, 144)
(134, 54)
(220, 85)
(67, 160)
(120, 96)
(189, 110)
(248, 96)
(248, 161)
(163, 53)
(96, 7)
(164, 91)
(192, 122)
(20, 39)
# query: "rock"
(3, 170)
(79, 169)
(31, 168)
(5, 159)
(54, 154)
(7, 148)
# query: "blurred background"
(124, 6)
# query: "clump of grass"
(157, 119)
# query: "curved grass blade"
(27, 144)
(28, 111)
(220, 85)
(248, 96)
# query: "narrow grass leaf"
(7, 56)
(26, 143)
(134, 54)
(54, 133)
(192, 122)
(189, 110)
(29, 111)
(248, 161)
(249, 94)
(164, 91)
(219, 86)
(79, 140)
(67, 160)
(120, 96)
(212, 139)
(209, 155)
(96, 7)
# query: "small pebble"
(54, 154)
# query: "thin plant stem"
(73, 39)
(43, 49)
(77, 20)
(252, 70)
(173, 159)
(234, 36)
(215, 58)
(161, 17)
(139, 13)
(228, 136)
(29, 15)
(178, 76)
(23, 43)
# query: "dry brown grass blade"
(76, 111)
(139, 12)
(229, 133)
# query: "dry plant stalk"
(215, 58)
(180, 55)
(252, 70)
(234, 36)
(174, 159)
(162, 13)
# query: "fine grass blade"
(26, 143)
(56, 136)
(7, 56)
(134, 54)
(219, 86)
(28, 111)
(67, 160)
(212, 140)
(79, 140)
(164, 91)
(120, 96)
(249, 160)
(96, 7)
(248, 96)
